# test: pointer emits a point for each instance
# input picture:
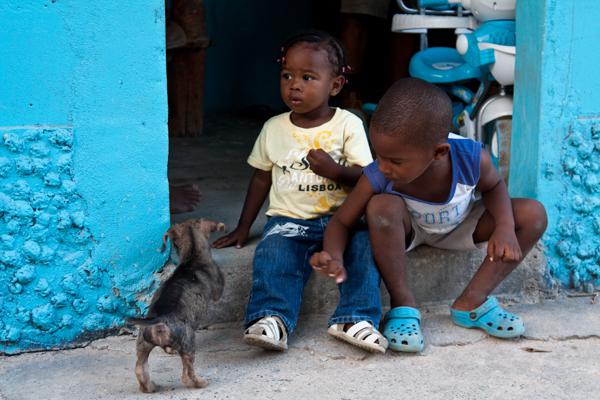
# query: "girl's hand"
(237, 237)
(504, 246)
(323, 262)
(322, 164)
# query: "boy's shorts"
(461, 238)
(375, 8)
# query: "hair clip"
(281, 60)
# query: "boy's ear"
(441, 150)
(337, 85)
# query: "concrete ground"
(557, 359)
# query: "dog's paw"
(149, 387)
(195, 382)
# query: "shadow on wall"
(245, 39)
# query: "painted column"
(83, 159)
(557, 130)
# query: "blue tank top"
(439, 218)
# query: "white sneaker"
(268, 333)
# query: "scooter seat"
(442, 65)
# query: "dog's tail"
(157, 331)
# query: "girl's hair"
(323, 40)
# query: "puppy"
(182, 301)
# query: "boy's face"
(307, 79)
(400, 162)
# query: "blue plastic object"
(437, 5)
(402, 329)
(442, 65)
(501, 32)
(457, 109)
(491, 318)
(369, 108)
(462, 93)
(432, 3)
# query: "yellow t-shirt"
(282, 147)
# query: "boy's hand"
(503, 246)
(323, 262)
(237, 237)
(322, 164)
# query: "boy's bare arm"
(258, 189)
(331, 260)
(322, 164)
(503, 244)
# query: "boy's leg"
(530, 224)
(279, 273)
(390, 229)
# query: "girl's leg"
(390, 229)
(530, 224)
(356, 318)
(360, 298)
(279, 273)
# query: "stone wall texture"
(46, 259)
(556, 137)
(83, 168)
(575, 241)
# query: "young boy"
(429, 187)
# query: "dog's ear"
(182, 240)
(164, 240)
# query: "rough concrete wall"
(557, 108)
(83, 158)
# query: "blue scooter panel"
(442, 65)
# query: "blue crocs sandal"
(492, 318)
(402, 329)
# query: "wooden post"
(187, 41)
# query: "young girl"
(305, 160)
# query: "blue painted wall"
(557, 130)
(83, 158)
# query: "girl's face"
(307, 79)
(399, 162)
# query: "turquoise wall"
(557, 130)
(83, 158)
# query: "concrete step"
(434, 275)
(216, 162)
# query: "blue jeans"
(281, 270)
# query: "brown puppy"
(182, 301)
